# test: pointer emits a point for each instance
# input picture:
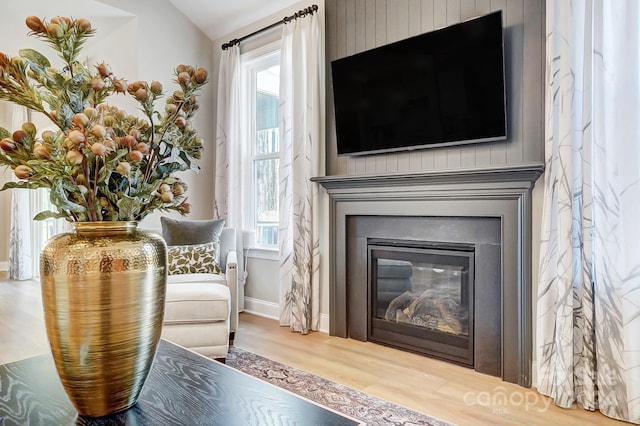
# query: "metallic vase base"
(103, 291)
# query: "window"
(43, 230)
(260, 124)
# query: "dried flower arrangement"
(101, 163)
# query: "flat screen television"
(440, 88)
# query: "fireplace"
(488, 209)
(421, 297)
(455, 244)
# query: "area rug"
(366, 408)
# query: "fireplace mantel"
(503, 192)
(525, 174)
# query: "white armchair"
(201, 311)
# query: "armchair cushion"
(188, 232)
(196, 278)
(194, 258)
(197, 302)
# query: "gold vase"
(103, 291)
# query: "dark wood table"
(183, 388)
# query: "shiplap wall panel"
(351, 30)
(415, 17)
(426, 25)
(439, 14)
(415, 28)
(365, 33)
(482, 151)
(360, 12)
(350, 23)
(402, 18)
(402, 23)
(513, 18)
(360, 29)
(335, 42)
(439, 21)
(354, 26)
(533, 77)
(468, 154)
(392, 20)
(392, 35)
(499, 149)
(454, 156)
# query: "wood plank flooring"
(437, 388)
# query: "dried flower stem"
(156, 149)
(90, 200)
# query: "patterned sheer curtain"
(21, 256)
(301, 158)
(229, 152)
(228, 155)
(589, 290)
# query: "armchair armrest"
(231, 273)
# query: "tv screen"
(441, 88)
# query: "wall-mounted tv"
(441, 88)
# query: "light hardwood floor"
(437, 388)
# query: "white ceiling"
(217, 18)
(18, 10)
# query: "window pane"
(42, 230)
(266, 200)
(267, 99)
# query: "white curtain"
(21, 259)
(301, 158)
(229, 153)
(588, 327)
(228, 182)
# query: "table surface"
(183, 388)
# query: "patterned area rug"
(366, 408)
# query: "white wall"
(262, 286)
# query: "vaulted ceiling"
(217, 18)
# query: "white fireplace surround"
(503, 192)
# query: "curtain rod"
(299, 14)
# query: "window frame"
(252, 62)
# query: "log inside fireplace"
(421, 297)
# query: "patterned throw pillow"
(182, 232)
(192, 259)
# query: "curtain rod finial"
(231, 43)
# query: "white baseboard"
(4, 266)
(261, 308)
(272, 310)
(324, 323)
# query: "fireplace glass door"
(421, 297)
